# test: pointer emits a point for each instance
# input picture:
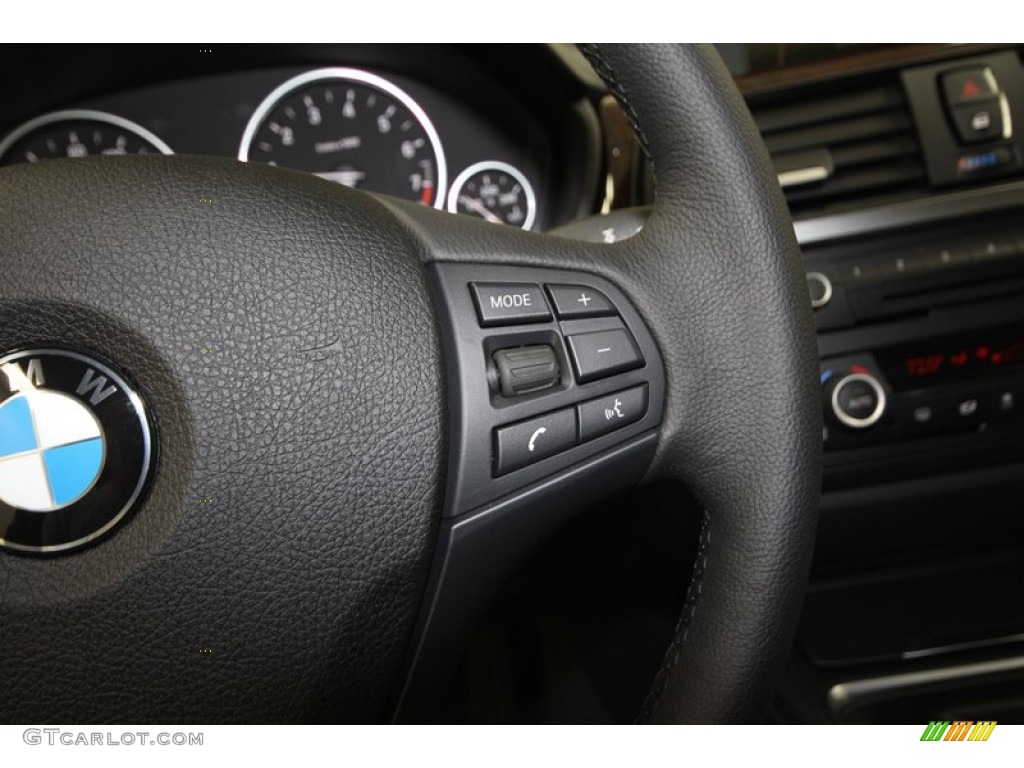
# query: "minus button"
(603, 353)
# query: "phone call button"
(519, 445)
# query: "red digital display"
(935, 363)
(924, 365)
(954, 359)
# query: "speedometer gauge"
(77, 133)
(353, 128)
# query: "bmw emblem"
(75, 450)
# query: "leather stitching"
(593, 54)
(682, 630)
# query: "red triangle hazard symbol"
(970, 88)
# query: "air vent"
(840, 152)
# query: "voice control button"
(606, 414)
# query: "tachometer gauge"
(496, 192)
(77, 133)
(353, 128)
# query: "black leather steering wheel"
(288, 340)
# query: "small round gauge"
(353, 128)
(77, 133)
(496, 192)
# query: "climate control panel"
(935, 387)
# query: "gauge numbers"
(496, 192)
(77, 133)
(353, 128)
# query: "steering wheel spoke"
(556, 392)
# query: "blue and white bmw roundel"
(75, 450)
(51, 451)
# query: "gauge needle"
(478, 207)
(348, 178)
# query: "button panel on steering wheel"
(546, 368)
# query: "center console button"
(820, 288)
(1006, 403)
(969, 85)
(919, 412)
(965, 409)
(976, 123)
(858, 401)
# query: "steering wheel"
(300, 348)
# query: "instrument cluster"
(365, 129)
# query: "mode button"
(509, 303)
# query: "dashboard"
(442, 134)
(902, 166)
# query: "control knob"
(858, 400)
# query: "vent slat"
(843, 132)
(861, 182)
(775, 119)
(863, 143)
(875, 151)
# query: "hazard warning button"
(965, 86)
